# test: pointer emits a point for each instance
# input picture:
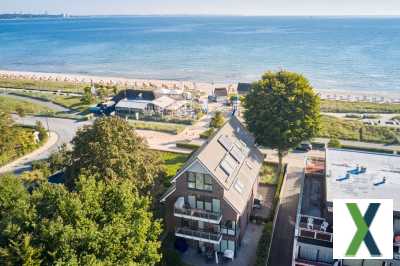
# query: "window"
(200, 204)
(192, 201)
(207, 206)
(207, 182)
(199, 181)
(230, 227)
(231, 245)
(191, 180)
(216, 205)
(224, 245)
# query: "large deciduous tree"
(110, 149)
(99, 223)
(282, 110)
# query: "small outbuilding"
(243, 88)
(221, 95)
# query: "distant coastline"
(30, 16)
(356, 55)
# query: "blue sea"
(356, 53)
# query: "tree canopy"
(110, 149)
(282, 110)
(14, 140)
(99, 223)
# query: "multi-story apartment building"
(343, 174)
(211, 198)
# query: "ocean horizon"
(335, 52)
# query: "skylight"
(239, 186)
(228, 164)
(225, 142)
(237, 154)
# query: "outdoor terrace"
(198, 215)
(209, 237)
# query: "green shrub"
(158, 126)
(218, 120)
(187, 145)
(263, 245)
(334, 143)
(206, 134)
(367, 149)
(170, 256)
(42, 131)
(268, 173)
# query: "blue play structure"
(380, 182)
(347, 176)
(356, 171)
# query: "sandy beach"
(207, 88)
(78, 78)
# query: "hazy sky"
(239, 7)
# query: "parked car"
(304, 146)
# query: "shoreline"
(330, 94)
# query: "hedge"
(187, 145)
(206, 134)
(263, 245)
(367, 149)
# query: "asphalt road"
(64, 128)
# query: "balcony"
(314, 228)
(198, 215)
(209, 237)
(183, 210)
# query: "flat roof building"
(380, 180)
(342, 174)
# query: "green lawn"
(42, 85)
(10, 105)
(158, 126)
(358, 107)
(350, 129)
(71, 102)
(269, 174)
(173, 162)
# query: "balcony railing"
(198, 214)
(210, 237)
(314, 228)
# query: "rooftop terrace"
(357, 175)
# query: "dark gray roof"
(243, 88)
(131, 94)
